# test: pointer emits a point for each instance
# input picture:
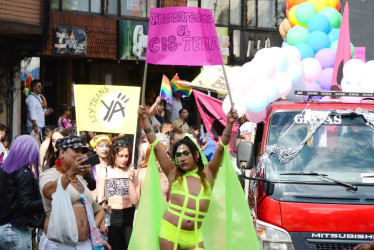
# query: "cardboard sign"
(106, 108)
(183, 36)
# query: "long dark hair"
(50, 150)
(193, 149)
(115, 148)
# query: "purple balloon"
(326, 57)
(325, 78)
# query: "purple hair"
(23, 152)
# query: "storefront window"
(133, 8)
(220, 9)
(83, 5)
(96, 6)
(266, 14)
(112, 7)
(151, 4)
(251, 13)
(69, 4)
(235, 12)
(55, 4)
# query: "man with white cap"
(246, 131)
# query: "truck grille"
(330, 246)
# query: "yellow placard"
(106, 108)
(211, 78)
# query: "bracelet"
(148, 130)
(223, 145)
(227, 135)
(70, 179)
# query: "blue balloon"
(285, 43)
(319, 23)
(334, 35)
(318, 40)
(305, 50)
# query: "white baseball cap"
(246, 128)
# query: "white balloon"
(284, 84)
(280, 59)
(295, 71)
(235, 78)
(354, 71)
(256, 99)
(239, 105)
(292, 53)
(271, 89)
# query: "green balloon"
(304, 12)
(334, 46)
(297, 35)
(333, 15)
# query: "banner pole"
(76, 114)
(227, 85)
(144, 82)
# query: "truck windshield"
(341, 148)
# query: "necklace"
(61, 171)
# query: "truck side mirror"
(245, 155)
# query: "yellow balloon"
(292, 16)
(319, 4)
(333, 3)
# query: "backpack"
(7, 194)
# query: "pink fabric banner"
(182, 36)
(213, 117)
(360, 53)
(343, 52)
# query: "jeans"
(15, 238)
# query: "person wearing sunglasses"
(191, 180)
(117, 184)
(101, 145)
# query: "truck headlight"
(271, 237)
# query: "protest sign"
(182, 36)
(106, 108)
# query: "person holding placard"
(191, 179)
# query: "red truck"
(316, 176)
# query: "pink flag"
(343, 52)
(214, 118)
(183, 36)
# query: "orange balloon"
(295, 2)
(338, 5)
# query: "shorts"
(186, 238)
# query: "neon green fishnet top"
(181, 188)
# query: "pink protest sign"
(360, 53)
(182, 36)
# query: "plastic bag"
(62, 223)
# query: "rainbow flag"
(165, 91)
(178, 87)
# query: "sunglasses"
(121, 143)
(103, 146)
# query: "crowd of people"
(52, 158)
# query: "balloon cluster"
(272, 74)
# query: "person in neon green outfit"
(192, 179)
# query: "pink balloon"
(256, 117)
(312, 70)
